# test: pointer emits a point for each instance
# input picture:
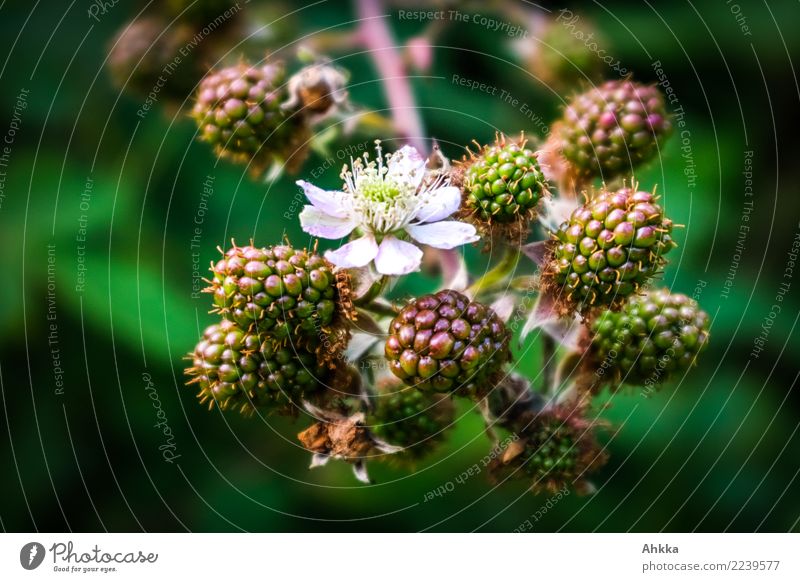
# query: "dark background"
(717, 452)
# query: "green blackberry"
(559, 59)
(238, 111)
(502, 186)
(411, 419)
(446, 343)
(557, 449)
(608, 249)
(613, 128)
(291, 294)
(238, 369)
(144, 49)
(655, 337)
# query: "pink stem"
(378, 39)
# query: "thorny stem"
(378, 39)
(549, 364)
(498, 274)
(374, 291)
(378, 307)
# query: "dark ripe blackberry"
(653, 338)
(446, 343)
(608, 249)
(291, 294)
(412, 419)
(241, 370)
(613, 128)
(557, 449)
(238, 111)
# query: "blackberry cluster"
(446, 343)
(290, 293)
(608, 249)
(242, 370)
(613, 128)
(142, 49)
(409, 418)
(238, 110)
(556, 450)
(653, 338)
(502, 184)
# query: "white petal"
(354, 254)
(397, 257)
(407, 165)
(555, 211)
(504, 306)
(327, 201)
(439, 204)
(319, 223)
(319, 460)
(443, 235)
(360, 471)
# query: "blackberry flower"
(384, 202)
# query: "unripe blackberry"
(238, 369)
(411, 419)
(238, 111)
(613, 128)
(556, 450)
(446, 343)
(560, 59)
(502, 186)
(144, 48)
(653, 338)
(291, 294)
(608, 249)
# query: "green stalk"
(498, 275)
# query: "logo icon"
(31, 555)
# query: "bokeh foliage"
(717, 451)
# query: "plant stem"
(374, 291)
(549, 366)
(378, 39)
(498, 274)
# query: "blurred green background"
(718, 452)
